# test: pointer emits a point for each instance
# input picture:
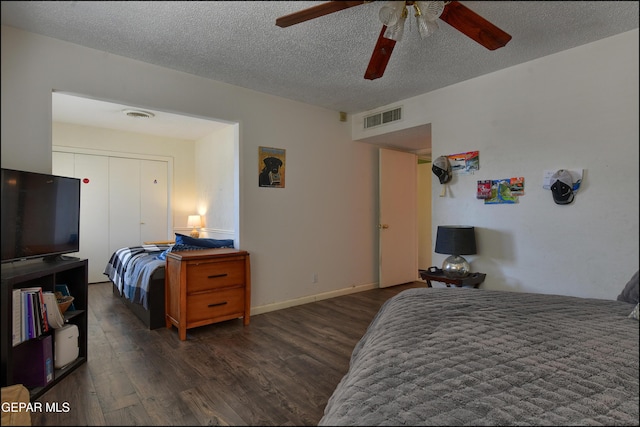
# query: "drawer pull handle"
(217, 275)
(217, 304)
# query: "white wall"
(215, 160)
(575, 109)
(324, 221)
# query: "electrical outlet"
(314, 278)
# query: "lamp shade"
(456, 240)
(194, 221)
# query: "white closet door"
(93, 172)
(124, 203)
(153, 200)
(63, 164)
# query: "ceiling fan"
(393, 15)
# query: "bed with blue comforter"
(137, 274)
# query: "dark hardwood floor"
(280, 370)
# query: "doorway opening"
(92, 129)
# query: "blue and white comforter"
(130, 269)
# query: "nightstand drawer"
(203, 276)
(210, 305)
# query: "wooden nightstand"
(473, 279)
(206, 286)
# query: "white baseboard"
(312, 298)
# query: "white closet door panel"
(124, 203)
(63, 164)
(153, 200)
(93, 172)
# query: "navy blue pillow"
(181, 239)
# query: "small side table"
(473, 279)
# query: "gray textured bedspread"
(461, 356)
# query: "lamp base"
(195, 233)
(456, 267)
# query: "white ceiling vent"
(138, 114)
(383, 118)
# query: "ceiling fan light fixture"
(391, 12)
(427, 13)
(430, 10)
(395, 32)
(426, 27)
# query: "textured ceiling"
(322, 61)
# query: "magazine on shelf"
(56, 319)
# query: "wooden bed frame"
(154, 317)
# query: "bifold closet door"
(137, 201)
(154, 202)
(124, 203)
(93, 172)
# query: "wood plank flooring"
(280, 370)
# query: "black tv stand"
(57, 258)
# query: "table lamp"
(194, 222)
(456, 240)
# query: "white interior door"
(398, 222)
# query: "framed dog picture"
(271, 167)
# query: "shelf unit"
(72, 272)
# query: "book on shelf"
(38, 310)
(31, 333)
(34, 312)
(37, 314)
(16, 319)
(23, 310)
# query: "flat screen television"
(40, 215)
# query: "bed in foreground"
(440, 356)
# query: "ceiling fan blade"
(315, 12)
(474, 26)
(380, 57)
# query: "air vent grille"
(138, 114)
(383, 118)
